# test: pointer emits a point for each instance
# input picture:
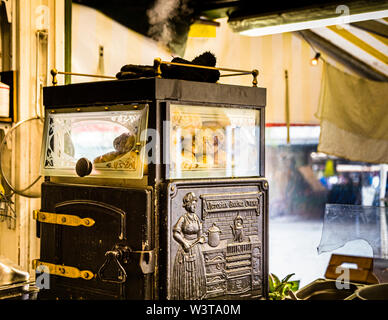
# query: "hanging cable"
(313, 61)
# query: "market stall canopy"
(169, 22)
(248, 20)
(362, 46)
(352, 110)
(354, 33)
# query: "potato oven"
(154, 189)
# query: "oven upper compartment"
(206, 130)
(108, 137)
(213, 142)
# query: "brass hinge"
(63, 271)
(62, 219)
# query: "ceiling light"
(279, 24)
(314, 61)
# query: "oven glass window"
(110, 140)
(213, 142)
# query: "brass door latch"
(121, 256)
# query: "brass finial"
(157, 63)
(255, 74)
(54, 73)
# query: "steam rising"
(163, 16)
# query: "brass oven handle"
(121, 255)
(115, 256)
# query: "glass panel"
(109, 139)
(303, 183)
(213, 142)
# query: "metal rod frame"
(157, 63)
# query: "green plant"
(280, 289)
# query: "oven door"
(96, 242)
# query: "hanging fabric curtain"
(353, 114)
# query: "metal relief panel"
(216, 240)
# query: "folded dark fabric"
(132, 71)
(207, 59)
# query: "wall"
(92, 29)
(21, 244)
(271, 55)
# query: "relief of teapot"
(214, 235)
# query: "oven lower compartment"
(190, 240)
(96, 243)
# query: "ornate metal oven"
(154, 189)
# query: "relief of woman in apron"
(188, 281)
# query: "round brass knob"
(83, 167)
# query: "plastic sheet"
(11, 273)
(344, 223)
(21, 147)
